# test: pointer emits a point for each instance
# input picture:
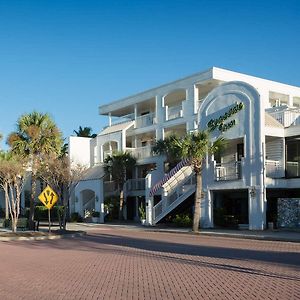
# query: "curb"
(231, 235)
(42, 237)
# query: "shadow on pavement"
(101, 242)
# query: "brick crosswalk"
(110, 263)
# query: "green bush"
(183, 220)
(41, 212)
(142, 212)
(111, 207)
(6, 223)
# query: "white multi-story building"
(256, 180)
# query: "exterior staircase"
(176, 189)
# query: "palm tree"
(195, 146)
(117, 166)
(85, 132)
(169, 148)
(36, 134)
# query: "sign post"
(48, 197)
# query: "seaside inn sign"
(220, 122)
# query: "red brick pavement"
(110, 263)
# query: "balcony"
(287, 117)
(173, 112)
(228, 171)
(110, 187)
(145, 120)
(141, 152)
(292, 169)
(122, 119)
(135, 184)
(274, 169)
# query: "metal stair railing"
(174, 197)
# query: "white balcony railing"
(122, 119)
(145, 120)
(274, 169)
(141, 152)
(173, 112)
(287, 117)
(292, 169)
(228, 171)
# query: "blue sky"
(68, 57)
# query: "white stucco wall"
(79, 150)
(249, 125)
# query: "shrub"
(41, 212)
(6, 223)
(183, 220)
(142, 212)
(111, 207)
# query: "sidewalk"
(269, 235)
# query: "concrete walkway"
(270, 235)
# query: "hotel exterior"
(254, 183)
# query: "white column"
(160, 117)
(149, 201)
(195, 98)
(207, 212)
(189, 108)
(101, 153)
(290, 103)
(109, 119)
(135, 114)
(99, 200)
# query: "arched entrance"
(88, 198)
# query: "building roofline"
(154, 88)
(212, 72)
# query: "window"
(293, 158)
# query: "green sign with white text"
(220, 122)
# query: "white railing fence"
(135, 184)
(145, 120)
(173, 195)
(292, 169)
(274, 169)
(173, 112)
(288, 117)
(122, 119)
(141, 152)
(228, 171)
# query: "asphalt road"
(121, 263)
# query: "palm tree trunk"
(197, 208)
(32, 198)
(121, 205)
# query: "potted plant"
(95, 216)
(142, 215)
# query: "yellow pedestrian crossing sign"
(48, 197)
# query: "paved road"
(122, 263)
